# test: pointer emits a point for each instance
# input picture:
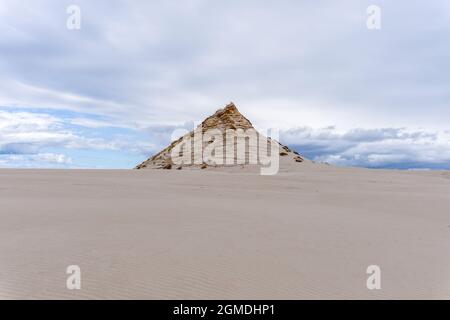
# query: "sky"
(111, 93)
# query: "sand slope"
(226, 235)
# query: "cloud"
(143, 63)
(39, 160)
(375, 148)
(27, 137)
(24, 132)
(90, 123)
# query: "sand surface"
(159, 234)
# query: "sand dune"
(159, 234)
(224, 140)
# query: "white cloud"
(18, 121)
(39, 160)
(382, 147)
(29, 133)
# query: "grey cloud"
(377, 148)
(163, 61)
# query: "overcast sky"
(110, 94)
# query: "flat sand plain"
(156, 234)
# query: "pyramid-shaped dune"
(224, 139)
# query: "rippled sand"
(156, 234)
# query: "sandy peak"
(228, 117)
(231, 107)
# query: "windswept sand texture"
(205, 234)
